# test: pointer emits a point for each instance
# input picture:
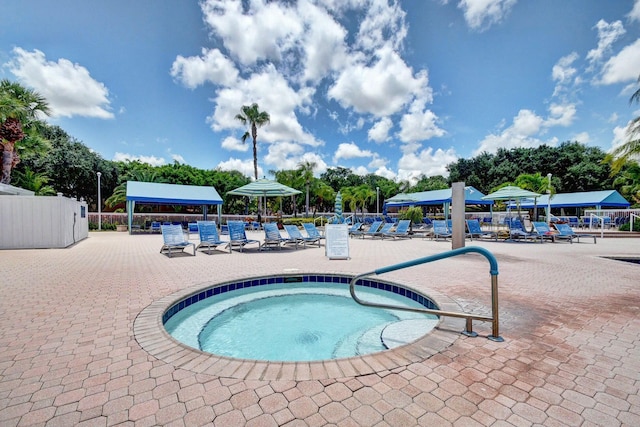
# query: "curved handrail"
(493, 271)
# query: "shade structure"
(339, 219)
(435, 197)
(265, 188)
(585, 199)
(510, 192)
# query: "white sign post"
(337, 241)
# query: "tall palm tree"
(19, 107)
(631, 148)
(252, 116)
(306, 174)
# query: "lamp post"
(377, 201)
(99, 203)
(549, 200)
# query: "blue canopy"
(435, 197)
(599, 199)
(170, 194)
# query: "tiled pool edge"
(150, 334)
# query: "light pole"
(377, 201)
(549, 200)
(99, 203)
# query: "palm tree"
(306, 174)
(630, 149)
(252, 116)
(36, 182)
(19, 107)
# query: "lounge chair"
(155, 227)
(209, 238)
(174, 240)
(544, 231)
(294, 233)
(192, 228)
(238, 237)
(376, 228)
(401, 231)
(440, 230)
(312, 231)
(355, 229)
(517, 231)
(273, 238)
(566, 231)
(474, 230)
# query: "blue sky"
(399, 89)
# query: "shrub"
(627, 226)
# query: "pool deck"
(75, 350)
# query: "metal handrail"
(493, 271)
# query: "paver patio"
(569, 317)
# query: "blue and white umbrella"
(339, 219)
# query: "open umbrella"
(264, 188)
(511, 192)
(338, 209)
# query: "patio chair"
(440, 230)
(312, 231)
(544, 231)
(209, 237)
(385, 229)
(475, 230)
(155, 227)
(174, 240)
(273, 238)
(565, 230)
(517, 231)
(355, 229)
(294, 232)
(375, 228)
(401, 231)
(192, 228)
(238, 237)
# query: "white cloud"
(620, 136)
(563, 72)
(284, 155)
(262, 34)
(234, 144)
(582, 137)
(385, 172)
(607, 35)
(68, 88)
(360, 170)
(212, 67)
(417, 161)
(381, 89)
(634, 15)
(481, 14)
(526, 129)
(177, 158)
(151, 160)
(419, 125)
(622, 67)
(379, 132)
(383, 25)
(349, 150)
(245, 167)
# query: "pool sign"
(337, 241)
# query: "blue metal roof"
(436, 197)
(605, 198)
(172, 194)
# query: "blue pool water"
(293, 322)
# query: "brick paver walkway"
(570, 319)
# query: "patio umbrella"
(338, 209)
(511, 192)
(264, 188)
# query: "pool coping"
(150, 333)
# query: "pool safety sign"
(337, 241)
